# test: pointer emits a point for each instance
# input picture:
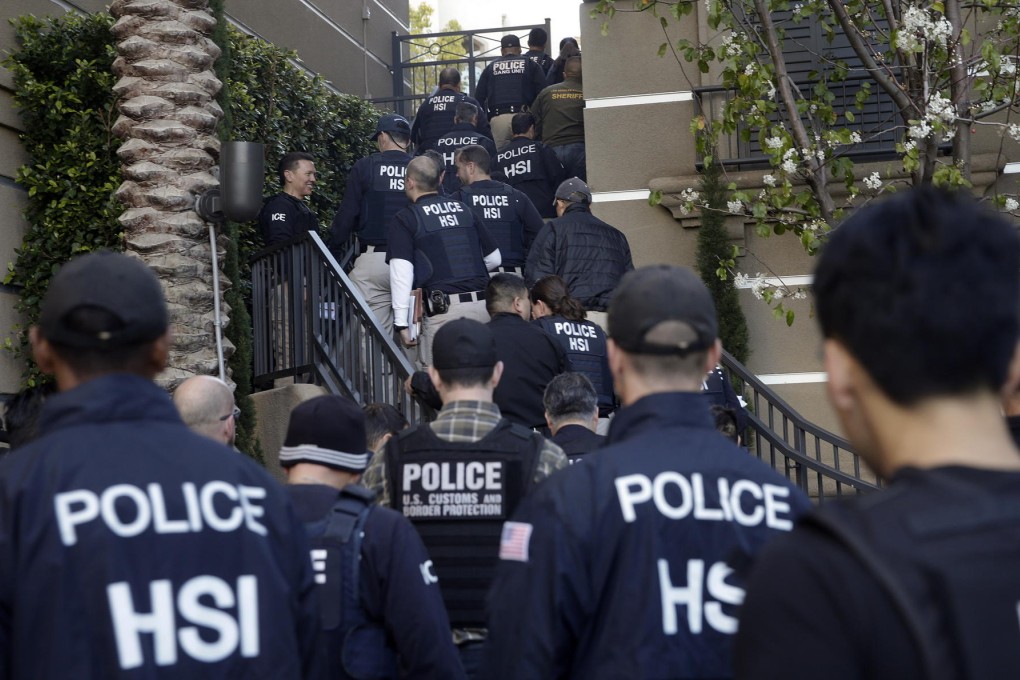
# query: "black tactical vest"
(520, 164)
(385, 197)
(509, 74)
(447, 146)
(355, 647)
(585, 345)
(498, 212)
(448, 239)
(458, 495)
(438, 114)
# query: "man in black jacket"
(530, 166)
(530, 356)
(572, 413)
(435, 115)
(287, 214)
(590, 255)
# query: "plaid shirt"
(459, 422)
(463, 421)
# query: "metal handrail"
(821, 463)
(312, 324)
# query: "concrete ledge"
(272, 412)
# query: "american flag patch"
(513, 545)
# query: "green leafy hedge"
(63, 87)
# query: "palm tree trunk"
(168, 116)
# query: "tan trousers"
(501, 131)
(430, 324)
(371, 275)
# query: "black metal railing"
(312, 324)
(816, 460)
(417, 60)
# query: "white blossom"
(689, 195)
(750, 69)
(735, 206)
(873, 181)
(789, 166)
(920, 27)
(1014, 131)
(919, 130)
(800, 294)
(774, 143)
(1011, 204)
(855, 137)
(769, 180)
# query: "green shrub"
(63, 87)
(713, 249)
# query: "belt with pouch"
(503, 110)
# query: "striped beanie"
(327, 430)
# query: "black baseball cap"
(574, 190)
(391, 122)
(327, 430)
(464, 343)
(115, 283)
(663, 310)
(510, 40)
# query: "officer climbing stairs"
(314, 332)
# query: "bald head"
(206, 405)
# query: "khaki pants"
(501, 130)
(431, 324)
(600, 318)
(371, 275)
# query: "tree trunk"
(167, 120)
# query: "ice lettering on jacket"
(128, 511)
(203, 601)
(462, 489)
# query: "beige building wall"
(347, 41)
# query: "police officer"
(287, 214)
(530, 166)
(584, 342)
(459, 476)
(507, 86)
(559, 116)
(460, 135)
(436, 244)
(530, 356)
(131, 546)
(572, 413)
(435, 115)
(537, 40)
(508, 213)
(588, 254)
(624, 565)
(382, 613)
(374, 195)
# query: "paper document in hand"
(412, 327)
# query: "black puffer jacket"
(590, 255)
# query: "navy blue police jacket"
(510, 216)
(630, 565)
(531, 167)
(283, 217)
(373, 196)
(131, 547)
(459, 136)
(435, 118)
(399, 590)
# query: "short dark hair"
(690, 365)
(381, 420)
(474, 153)
(923, 289)
(290, 161)
(501, 291)
(425, 172)
(538, 37)
(21, 413)
(466, 377)
(553, 291)
(449, 76)
(570, 395)
(522, 122)
(466, 112)
(725, 420)
(568, 39)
